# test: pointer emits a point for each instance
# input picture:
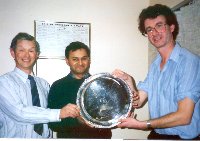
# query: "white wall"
(115, 39)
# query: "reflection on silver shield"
(103, 100)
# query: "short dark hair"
(75, 46)
(24, 36)
(152, 12)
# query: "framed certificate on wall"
(53, 37)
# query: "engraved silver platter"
(104, 100)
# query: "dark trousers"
(155, 136)
(96, 134)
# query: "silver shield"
(104, 100)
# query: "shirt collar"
(174, 55)
(22, 75)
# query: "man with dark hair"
(64, 91)
(154, 11)
(172, 86)
(23, 96)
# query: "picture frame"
(53, 37)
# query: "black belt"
(154, 135)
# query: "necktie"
(38, 128)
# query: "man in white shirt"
(18, 115)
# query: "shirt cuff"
(55, 114)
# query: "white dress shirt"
(17, 114)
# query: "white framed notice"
(53, 37)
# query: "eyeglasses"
(160, 27)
